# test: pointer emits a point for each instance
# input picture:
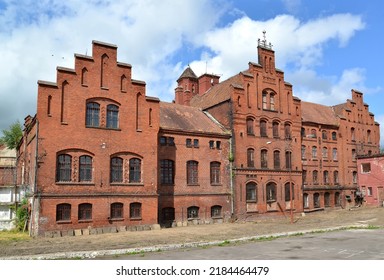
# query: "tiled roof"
(316, 113)
(187, 119)
(217, 94)
(188, 73)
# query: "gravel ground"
(169, 238)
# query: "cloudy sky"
(325, 47)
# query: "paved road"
(362, 244)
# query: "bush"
(21, 215)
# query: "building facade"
(371, 179)
(101, 155)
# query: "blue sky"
(325, 47)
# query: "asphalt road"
(361, 244)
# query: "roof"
(188, 73)
(188, 119)
(217, 94)
(316, 113)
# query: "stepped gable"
(317, 113)
(187, 119)
(217, 94)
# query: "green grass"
(7, 236)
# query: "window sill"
(63, 183)
(64, 222)
(135, 219)
(102, 127)
(85, 221)
(193, 185)
(115, 219)
(116, 184)
(216, 184)
(104, 88)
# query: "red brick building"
(100, 155)
(371, 178)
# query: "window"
(354, 177)
(117, 210)
(304, 176)
(272, 102)
(216, 211)
(334, 136)
(263, 128)
(192, 172)
(306, 200)
(193, 212)
(366, 167)
(336, 177)
(163, 140)
(85, 211)
(334, 154)
(271, 192)
(188, 142)
(313, 133)
(264, 158)
(92, 115)
(85, 169)
(287, 192)
(303, 152)
(325, 177)
(195, 143)
(369, 136)
(264, 100)
(314, 152)
(135, 210)
(167, 172)
(112, 116)
(134, 170)
(369, 191)
(275, 129)
(218, 145)
(251, 192)
(316, 200)
(353, 154)
(324, 135)
(250, 157)
(287, 131)
(211, 144)
(325, 152)
(116, 170)
(64, 168)
(353, 136)
(63, 212)
(302, 132)
(337, 199)
(250, 125)
(327, 199)
(288, 159)
(276, 159)
(268, 100)
(215, 173)
(315, 177)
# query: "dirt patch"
(201, 233)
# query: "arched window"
(117, 210)
(263, 128)
(250, 126)
(287, 131)
(264, 159)
(251, 157)
(135, 210)
(324, 135)
(337, 199)
(93, 114)
(216, 211)
(85, 169)
(275, 129)
(327, 199)
(63, 212)
(334, 154)
(369, 136)
(84, 76)
(276, 159)
(215, 173)
(192, 172)
(306, 200)
(336, 177)
(271, 192)
(316, 200)
(325, 152)
(315, 179)
(116, 170)
(251, 192)
(288, 159)
(104, 71)
(134, 170)
(288, 193)
(314, 152)
(85, 211)
(64, 168)
(167, 172)
(193, 212)
(334, 136)
(353, 136)
(303, 150)
(123, 83)
(326, 177)
(112, 116)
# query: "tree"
(12, 136)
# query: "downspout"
(231, 175)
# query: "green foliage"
(21, 215)
(12, 136)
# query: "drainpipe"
(231, 175)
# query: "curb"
(169, 247)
